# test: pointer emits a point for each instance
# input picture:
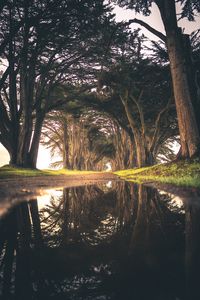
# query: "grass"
(182, 173)
(8, 171)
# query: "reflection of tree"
(35, 222)
(17, 242)
(86, 214)
(192, 243)
(80, 231)
(51, 220)
(141, 227)
(155, 218)
(7, 255)
(156, 244)
(77, 246)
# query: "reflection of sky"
(45, 199)
(109, 184)
(44, 157)
(175, 201)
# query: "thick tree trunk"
(189, 133)
(144, 156)
(13, 155)
(27, 85)
(140, 150)
(26, 94)
(13, 123)
(66, 163)
(33, 154)
(192, 74)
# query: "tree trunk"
(66, 163)
(14, 119)
(192, 77)
(140, 150)
(33, 154)
(189, 133)
(142, 154)
(27, 84)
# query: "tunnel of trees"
(94, 91)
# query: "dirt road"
(20, 188)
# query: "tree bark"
(66, 163)
(33, 153)
(189, 133)
(143, 155)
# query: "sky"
(153, 20)
(43, 161)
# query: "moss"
(182, 173)
(8, 171)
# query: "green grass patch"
(8, 171)
(182, 173)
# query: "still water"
(106, 241)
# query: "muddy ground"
(20, 188)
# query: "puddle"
(112, 240)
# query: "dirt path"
(20, 188)
(19, 182)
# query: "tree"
(148, 106)
(81, 142)
(42, 43)
(177, 45)
(135, 93)
(143, 87)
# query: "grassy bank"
(7, 171)
(182, 173)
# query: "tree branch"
(157, 123)
(159, 34)
(136, 101)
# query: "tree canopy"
(71, 64)
(43, 43)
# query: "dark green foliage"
(190, 8)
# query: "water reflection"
(111, 241)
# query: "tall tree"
(148, 106)
(42, 43)
(143, 86)
(177, 45)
